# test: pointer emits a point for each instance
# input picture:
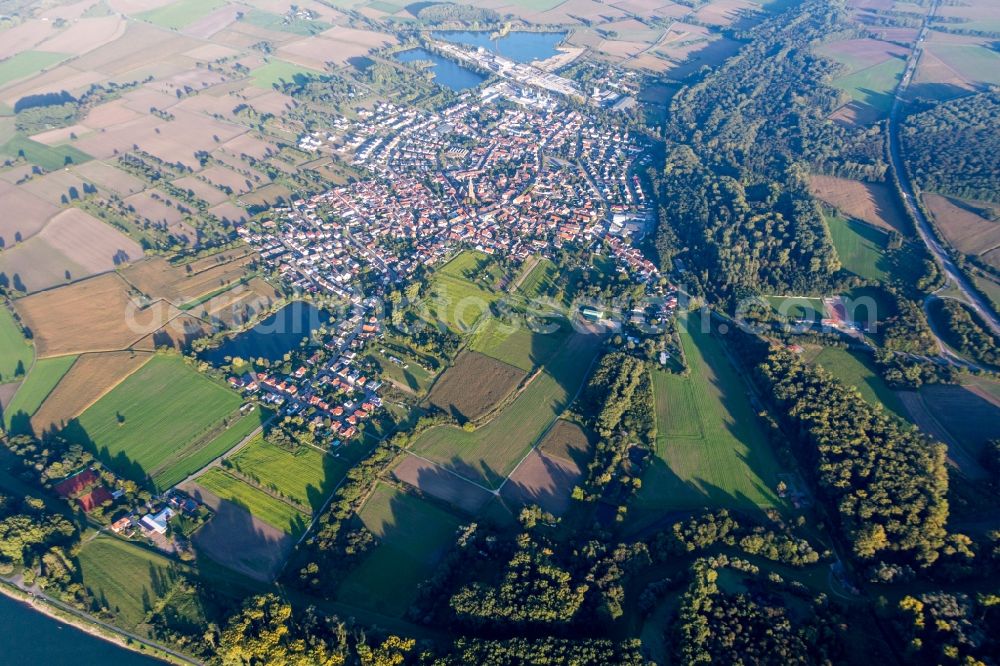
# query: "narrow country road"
(952, 273)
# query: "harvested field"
(202, 190)
(177, 334)
(182, 283)
(437, 482)
(968, 232)
(86, 35)
(858, 54)
(207, 26)
(176, 15)
(228, 180)
(59, 135)
(22, 37)
(935, 79)
(25, 64)
(489, 454)
(237, 305)
(872, 202)
(473, 385)
(58, 187)
(238, 540)
(24, 214)
(89, 378)
(725, 13)
(72, 246)
(110, 114)
(958, 430)
(92, 315)
(150, 205)
(109, 178)
(547, 476)
(975, 63)
(142, 46)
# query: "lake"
(516, 46)
(273, 337)
(29, 638)
(446, 72)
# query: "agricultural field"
(165, 421)
(27, 63)
(860, 54)
(42, 378)
(97, 314)
(873, 86)
(459, 297)
(15, 352)
(24, 214)
(129, 579)
(797, 307)
(276, 71)
(271, 510)
(964, 228)
(49, 158)
(412, 534)
(489, 453)
(547, 476)
(858, 370)
(711, 449)
(184, 284)
(873, 203)
(180, 13)
(473, 385)
(521, 347)
(85, 383)
(977, 63)
(860, 247)
(540, 282)
(306, 476)
(72, 246)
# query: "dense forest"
(885, 483)
(951, 148)
(966, 332)
(736, 206)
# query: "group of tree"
(885, 483)
(964, 330)
(757, 626)
(951, 148)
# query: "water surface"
(447, 72)
(516, 46)
(30, 638)
(273, 337)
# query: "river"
(30, 638)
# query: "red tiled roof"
(94, 499)
(76, 483)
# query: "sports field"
(412, 536)
(180, 13)
(488, 454)
(711, 449)
(271, 510)
(861, 247)
(15, 352)
(42, 378)
(164, 421)
(306, 475)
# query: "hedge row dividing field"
(489, 454)
(711, 449)
(155, 422)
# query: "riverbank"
(91, 626)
